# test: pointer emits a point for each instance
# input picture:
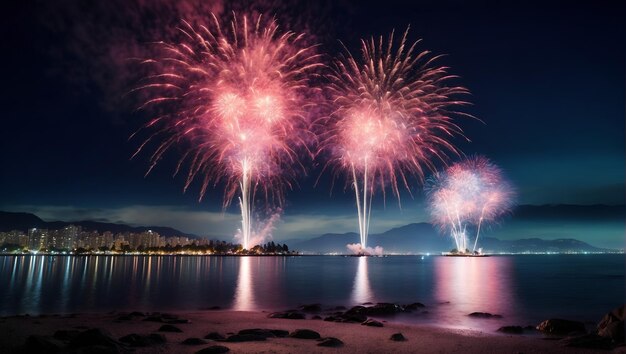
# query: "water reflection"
(524, 289)
(473, 285)
(244, 295)
(259, 284)
(361, 290)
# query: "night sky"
(547, 79)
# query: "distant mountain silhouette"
(19, 221)
(494, 245)
(24, 221)
(423, 238)
(412, 238)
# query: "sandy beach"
(356, 338)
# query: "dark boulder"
(353, 315)
(372, 323)
(484, 315)
(41, 344)
(170, 328)
(214, 349)
(357, 310)
(137, 314)
(156, 338)
(330, 342)
(193, 341)
(347, 318)
(258, 332)
(304, 334)
(561, 327)
(612, 325)
(511, 329)
(316, 317)
(245, 338)
(397, 337)
(357, 314)
(383, 309)
(215, 336)
(414, 306)
(290, 315)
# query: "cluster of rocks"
(262, 334)
(99, 341)
(356, 314)
(89, 341)
(163, 318)
(359, 314)
(96, 340)
(609, 332)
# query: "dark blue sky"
(547, 78)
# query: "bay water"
(523, 289)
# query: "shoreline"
(440, 254)
(356, 338)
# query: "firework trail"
(471, 192)
(236, 95)
(391, 119)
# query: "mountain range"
(421, 238)
(23, 221)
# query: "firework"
(469, 193)
(235, 96)
(391, 119)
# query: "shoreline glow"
(236, 95)
(391, 119)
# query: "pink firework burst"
(235, 96)
(471, 192)
(392, 118)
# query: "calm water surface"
(524, 289)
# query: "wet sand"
(356, 338)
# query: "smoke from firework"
(468, 193)
(392, 118)
(236, 95)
